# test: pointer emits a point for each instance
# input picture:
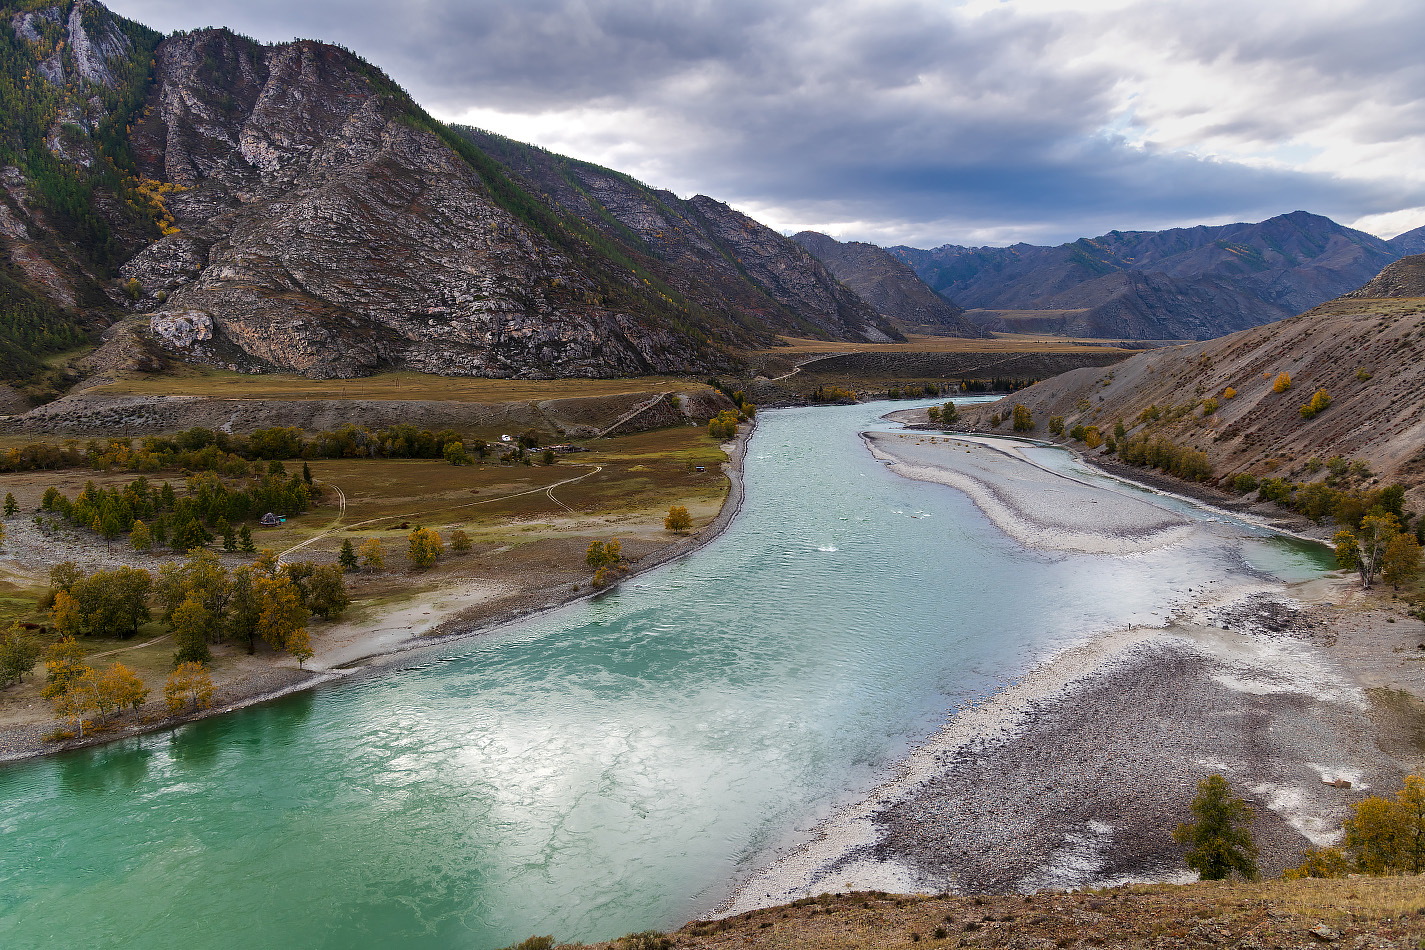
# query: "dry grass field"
(204, 381)
(529, 527)
(1360, 912)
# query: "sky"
(981, 122)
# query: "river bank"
(1306, 696)
(455, 612)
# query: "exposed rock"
(1404, 278)
(182, 329)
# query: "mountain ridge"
(1180, 283)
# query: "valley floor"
(1305, 696)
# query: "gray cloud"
(916, 122)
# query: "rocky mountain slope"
(1183, 283)
(888, 284)
(1411, 242)
(711, 253)
(1366, 350)
(289, 208)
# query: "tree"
(281, 611)
(1056, 425)
(371, 555)
(192, 625)
(306, 473)
(604, 553)
(1220, 837)
(11, 506)
(188, 685)
(678, 520)
(1363, 549)
(1282, 383)
(949, 415)
(244, 609)
(140, 538)
(455, 454)
(1386, 837)
(245, 543)
(1229, 393)
(424, 547)
(18, 654)
(326, 592)
(64, 666)
(1401, 561)
(129, 587)
(190, 535)
(1023, 420)
(78, 701)
(459, 540)
(347, 557)
(299, 645)
(547, 457)
(67, 616)
(121, 686)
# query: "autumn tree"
(141, 538)
(1023, 420)
(1381, 836)
(1363, 549)
(678, 520)
(19, 653)
(66, 615)
(1056, 425)
(281, 611)
(79, 701)
(424, 547)
(64, 666)
(120, 686)
(1318, 403)
(1401, 561)
(1220, 836)
(371, 555)
(606, 558)
(188, 685)
(460, 541)
(1282, 383)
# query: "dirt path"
(548, 490)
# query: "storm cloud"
(924, 123)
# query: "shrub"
(1077, 433)
(1209, 406)
(459, 540)
(1229, 393)
(1319, 402)
(1282, 383)
(1244, 483)
(1056, 425)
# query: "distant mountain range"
(1183, 283)
(890, 285)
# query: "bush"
(1381, 837)
(1229, 393)
(1244, 483)
(1056, 425)
(1318, 404)
(1209, 406)
(1282, 383)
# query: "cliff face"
(323, 232)
(889, 285)
(720, 259)
(1183, 283)
(1366, 349)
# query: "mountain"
(888, 284)
(1183, 283)
(711, 253)
(289, 208)
(1411, 242)
(1365, 349)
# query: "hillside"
(1366, 352)
(889, 285)
(1384, 913)
(1184, 283)
(1411, 242)
(289, 208)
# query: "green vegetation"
(724, 425)
(606, 559)
(1023, 420)
(424, 547)
(1147, 451)
(1220, 835)
(825, 394)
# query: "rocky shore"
(1306, 697)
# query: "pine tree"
(347, 557)
(1220, 837)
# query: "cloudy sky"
(923, 123)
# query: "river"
(610, 767)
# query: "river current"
(613, 766)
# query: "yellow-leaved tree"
(1282, 383)
(678, 520)
(188, 685)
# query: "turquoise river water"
(612, 766)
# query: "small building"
(270, 520)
